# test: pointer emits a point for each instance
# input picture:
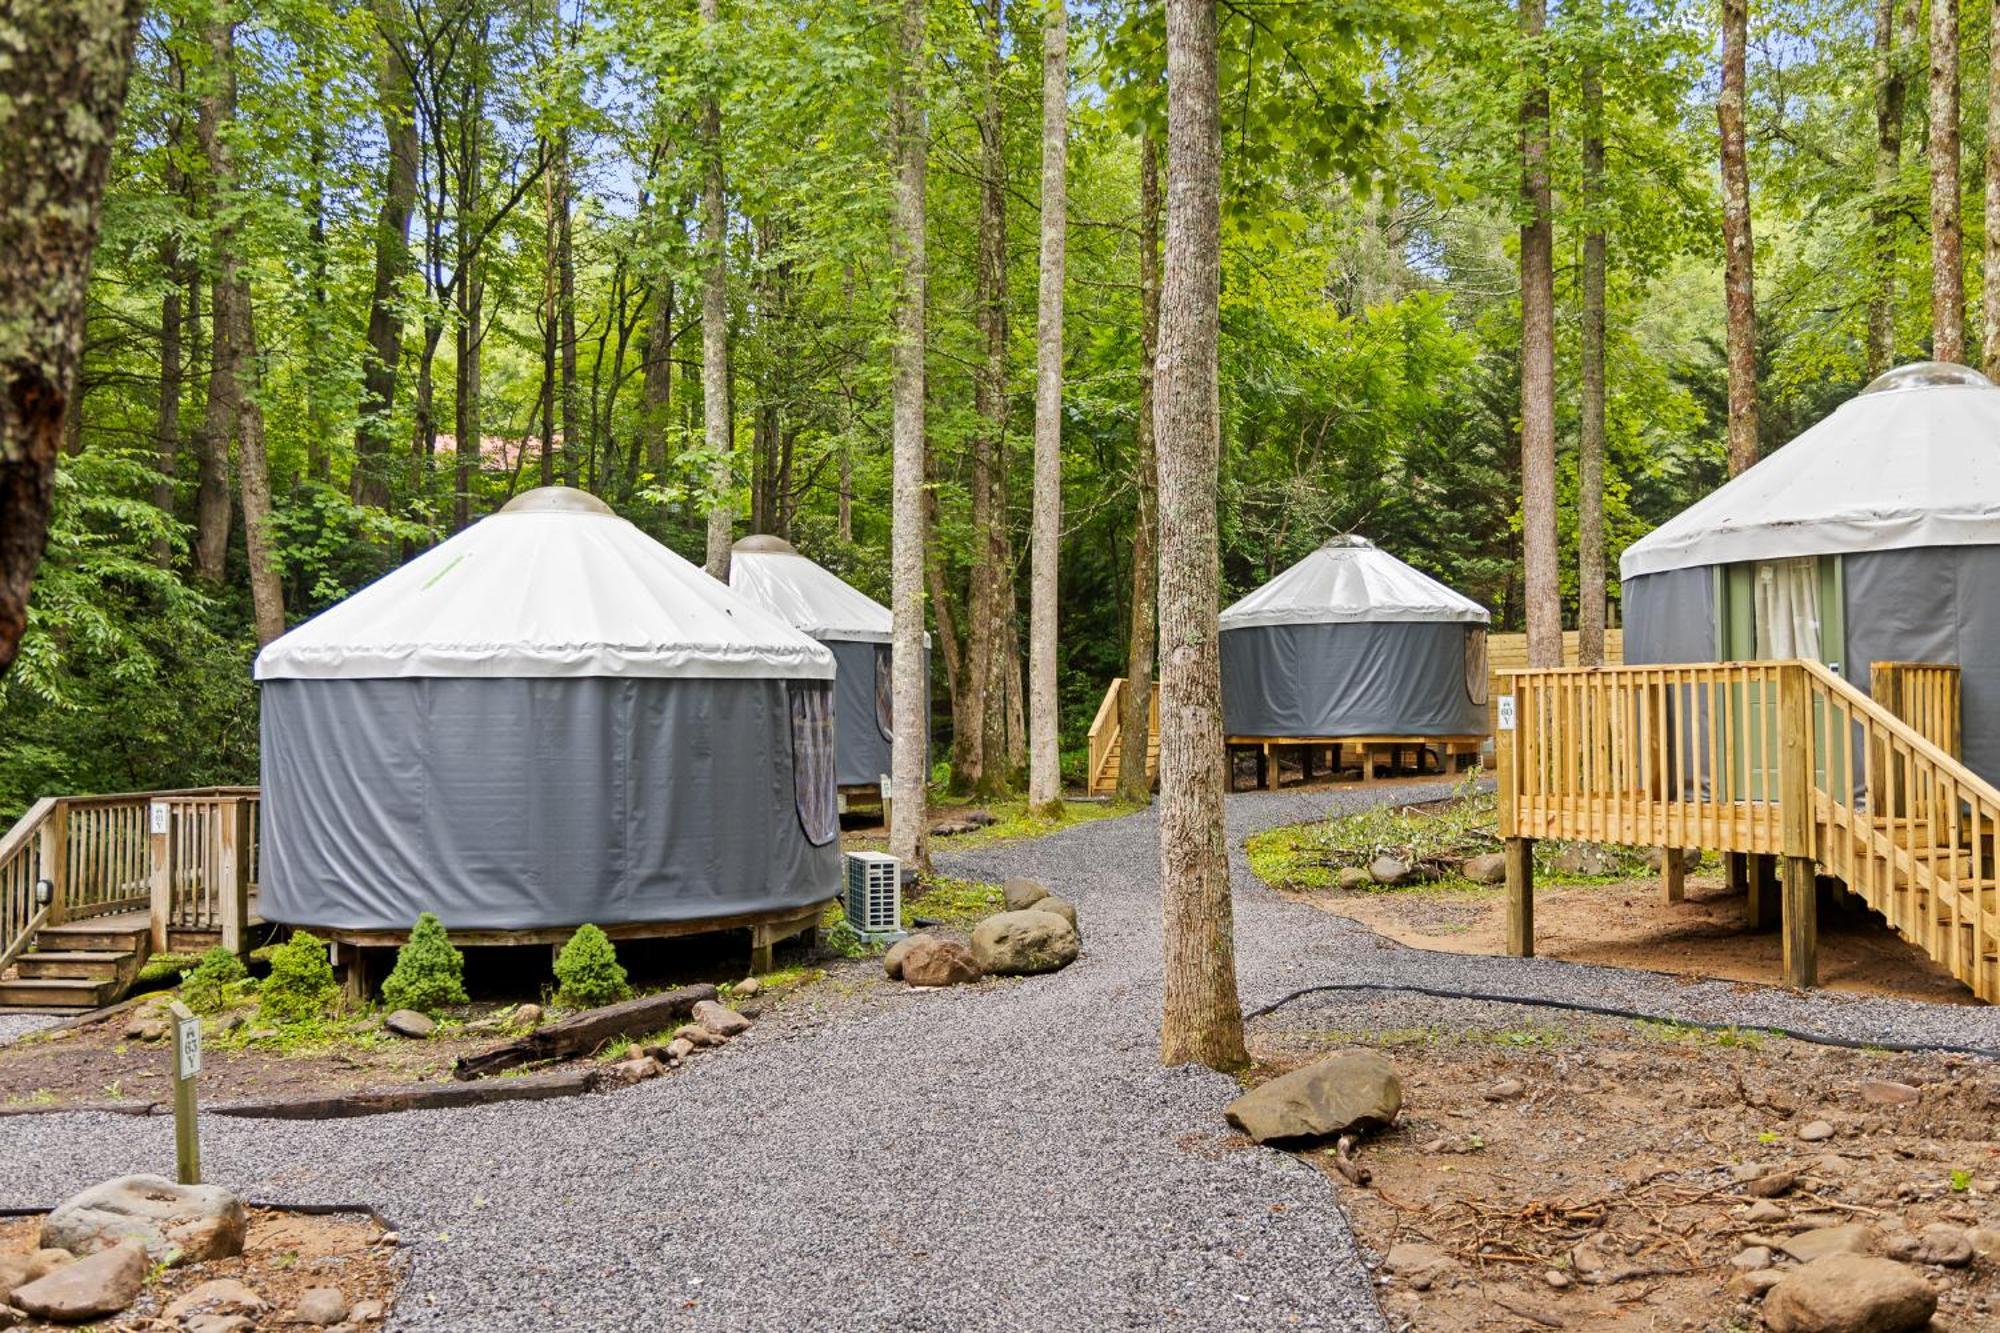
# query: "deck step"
(57, 993)
(85, 937)
(75, 965)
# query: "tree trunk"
(1201, 1020)
(233, 408)
(550, 324)
(1135, 721)
(909, 708)
(60, 94)
(392, 261)
(1990, 291)
(1045, 551)
(470, 292)
(167, 421)
(573, 443)
(1538, 358)
(1882, 207)
(659, 378)
(718, 429)
(1947, 273)
(1739, 269)
(1590, 441)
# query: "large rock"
(1352, 1090)
(1056, 907)
(176, 1223)
(1014, 943)
(1850, 1293)
(410, 1023)
(18, 1270)
(892, 961)
(1487, 868)
(1352, 879)
(1018, 893)
(1821, 1242)
(1388, 871)
(720, 1019)
(100, 1284)
(938, 962)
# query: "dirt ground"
(1628, 925)
(1563, 1172)
(284, 1254)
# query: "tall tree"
(1882, 212)
(60, 94)
(395, 103)
(177, 274)
(1045, 551)
(1201, 1021)
(718, 428)
(234, 410)
(1135, 723)
(1989, 340)
(1739, 272)
(1590, 433)
(909, 704)
(1947, 271)
(1538, 356)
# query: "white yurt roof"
(554, 584)
(1911, 460)
(1350, 579)
(810, 598)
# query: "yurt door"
(1773, 610)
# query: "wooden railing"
(189, 857)
(1106, 737)
(1923, 694)
(1783, 760)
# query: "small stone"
(1388, 871)
(1506, 1090)
(629, 1071)
(145, 1029)
(94, 1286)
(1418, 1265)
(1772, 1184)
(1821, 1242)
(1883, 1092)
(1832, 1165)
(679, 1049)
(892, 961)
(1751, 1258)
(1353, 879)
(1558, 1279)
(220, 1323)
(368, 1312)
(1018, 893)
(1488, 868)
(1587, 1259)
(1754, 1284)
(10, 1316)
(1744, 1172)
(1056, 906)
(527, 1016)
(321, 1305)
(1943, 1244)
(1849, 1293)
(1985, 1242)
(1763, 1210)
(720, 1019)
(942, 963)
(175, 1223)
(696, 1035)
(749, 988)
(410, 1023)
(1816, 1131)
(222, 1296)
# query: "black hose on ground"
(1607, 1011)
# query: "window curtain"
(885, 693)
(1787, 609)
(1476, 677)
(813, 782)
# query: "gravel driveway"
(1011, 1157)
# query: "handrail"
(1925, 695)
(20, 872)
(1103, 729)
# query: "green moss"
(953, 902)
(429, 972)
(165, 967)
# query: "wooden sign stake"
(187, 1064)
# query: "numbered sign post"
(1503, 712)
(888, 799)
(187, 1064)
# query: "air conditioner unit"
(873, 891)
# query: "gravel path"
(1004, 1158)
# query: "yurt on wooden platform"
(854, 627)
(547, 720)
(1872, 537)
(1352, 643)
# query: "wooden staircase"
(78, 965)
(1107, 740)
(1783, 760)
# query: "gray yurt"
(856, 629)
(1352, 642)
(549, 719)
(1872, 537)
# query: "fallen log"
(587, 1031)
(416, 1097)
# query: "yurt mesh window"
(813, 786)
(885, 694)
(1475, 664)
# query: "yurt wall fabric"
(1670, 617)
(861, 744)
(1402, 678)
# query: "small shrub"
(587, 970)
(301, 986)
(429, 972)
(214, 980)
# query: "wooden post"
(1736, 871)
(233, 870)
(1266, 766)
(55, 861)
(186, 1055)
(1673, 875)
(1800, 921)
(160, 844)
(1306, 759)
(1521, 897)
(1761, 908)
